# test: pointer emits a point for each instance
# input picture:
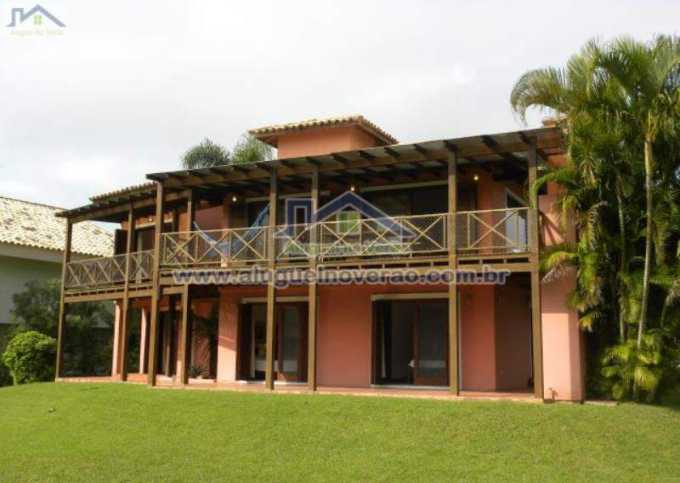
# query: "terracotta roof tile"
(267, 131)
(34, 225)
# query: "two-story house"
(350, 261)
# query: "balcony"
(95, 273)
(480, 234)
(484, 233)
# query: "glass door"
(431, 344)
(291, 342)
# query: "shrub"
(30, 357)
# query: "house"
(32, 245)
(229, 274)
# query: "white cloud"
(131, 85)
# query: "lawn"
(127, 432)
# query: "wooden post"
(123, 331)
(168, 324)
(183, 348)
(156, 287)
(143, 340)
(271, 290)
(311, 304)
(184, 339)
(536, 323)
(59, 366)
(454, 385)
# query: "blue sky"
(130, 85)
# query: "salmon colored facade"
(516, 336)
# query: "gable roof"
(34, 225)
(268, 134)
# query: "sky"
(126, 87)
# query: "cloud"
(130, 86)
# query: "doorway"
(411, 342)
(290, 342)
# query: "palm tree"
(250, 150)
(645, 83)
(205, 155)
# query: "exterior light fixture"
(234, 199)
(476, 177)
(352, 188)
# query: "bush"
(30, 357)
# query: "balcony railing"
(107, 271)
(478, 233)
(492, 232)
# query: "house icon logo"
(37, 17)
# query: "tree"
(30, 357)
(88, 325)
(619, 106)
(250, 150)
(645, 80)
(205, 155)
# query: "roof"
(138, 189)
(34, 225)
(509, 148)
(269, 134)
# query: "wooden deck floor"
(164, 382)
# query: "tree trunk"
(649, 161)
(623, 265)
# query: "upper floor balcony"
(478, 234)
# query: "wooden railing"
(487, 232)
(214, 247)
(492, 232)
(390, 236)
(107, 271)
(478, 234)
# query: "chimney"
(316, 137)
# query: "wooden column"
(454, 377)
(59, 366)
(271, 290)
(125, 308)
(168, 324)
(143, 340)
(534, 249)
(156, 287)
(184, 338)
(313, 288)
(183, 348)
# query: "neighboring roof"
(269, 134)
(34, 225)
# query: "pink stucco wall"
(344, 344)
(320, 141)
(562, 340)
(477, 336)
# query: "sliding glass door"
(290, 342)
(411, 342)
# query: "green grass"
(127, 432)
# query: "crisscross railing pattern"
(103, 271)
(95, 272)
(141, 266)
(399, 236)
(489, 232)
(214, 247)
